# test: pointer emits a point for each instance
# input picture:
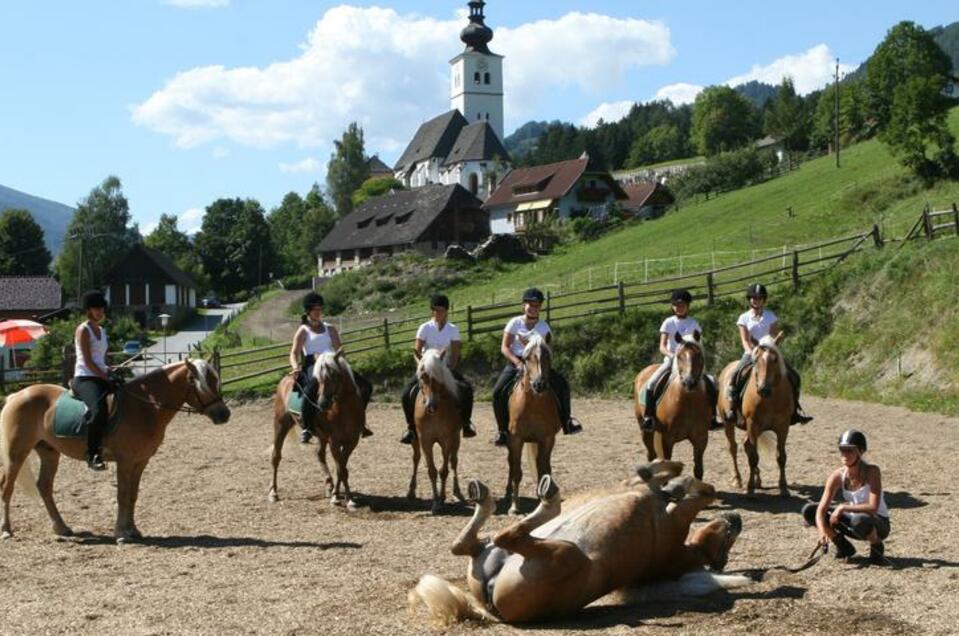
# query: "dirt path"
(220, 559)
(270, 318)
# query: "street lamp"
(164, 320)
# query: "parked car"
(211, 302)
(131, 347)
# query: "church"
(464, 146)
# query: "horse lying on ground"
(550, 564)
(149, 403)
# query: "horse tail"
(531, 451)
(766, 446)
(447, 603)
(690, 584)
(29, 468)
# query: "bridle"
(183, 408)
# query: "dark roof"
(434, 138)
(642, 193)
(477, 142)
(29, 292)
(376, 166)
(397, 218)
(551, 181)
(161, 260)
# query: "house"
(776, 146)
(147, 283)
(29, 297)
(566, 189)
(647, 199)
(377, 168)
(426, 219)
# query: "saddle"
(69, 416)
(658, 389)
(294, 402)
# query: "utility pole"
(837, 112)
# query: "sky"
(188, 101)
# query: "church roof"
(397, 218)
(477, 142)
(434, 138)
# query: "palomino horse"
(149, 403)
(533, 417)
(553, 563)
(767, 405)
(339, 422)
(438, 421)
(684, 411)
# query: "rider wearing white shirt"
(91, 375)
(515, 336)
(437, 333)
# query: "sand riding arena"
(220, 559)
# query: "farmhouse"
(147, 283)
(425, 219)
(647, 199)
(29, 297)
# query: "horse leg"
(749, 445)
(650, 446)
(8, 481)
(699, 449)
(128, 481)
(281, 426)
(544, 453)
(731, 440)
(444, 472)
(468, 542)
(49, 462)
(345, 451)
(411, 492)
(781, 460)
(431, 471)
(515, 472)
(321, 457)
(454, 462)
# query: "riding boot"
(307, 417)
(408, 399)
(844, 549)
(409, 436)
(732, 397)
(877, 554)
(501, 439)
(572, 426)
(649, 414)
(713, 392)
(95, 461)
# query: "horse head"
(537, 360)
(205, 394)
(329, 372)
(770, 365)
(689, 361)
(716, 539)
(431, 372)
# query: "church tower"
(476, 79)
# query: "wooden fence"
(780, 269)
(935, 223)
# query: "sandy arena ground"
(220, 559)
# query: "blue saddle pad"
(294, 403)
(69, 421)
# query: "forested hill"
(53, 217)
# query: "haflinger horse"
(149, 403)
(339, 422)
(438, 422)
(553, 563)
(767, 406)
(533, 417)
(684, 411)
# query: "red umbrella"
(17, 331)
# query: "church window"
(474, 183)
(476, 77)
(486, 78)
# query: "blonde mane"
(687, 339)
(327, 365)
(432, 364)
(768, 342)
(535, 342)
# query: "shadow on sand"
(378, 503)
(210, 542)
(768, 500)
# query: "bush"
(297, 281)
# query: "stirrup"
(95, 462)
(572, 427)
(408, 437)
(801, 418)
(305, 436)
(501, 439)
(469, 430)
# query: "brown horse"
(553, 563)
(533, 417)
(339, 423)
(438, 421)
(684, 411)
(149, 403)
(767, 405)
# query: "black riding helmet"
(312, 300)
(855, 438)
(681, 296)
(756, 290)
(94, 298)
(532, 295)
(439, 301)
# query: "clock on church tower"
(476, 74)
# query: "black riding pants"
(855, 525)
(93, 391)
(412, 389)
(504, 386)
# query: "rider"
(312, 338)
(754, 324)
(437, 333)
(91, 375)
(680, 322)
(515, 336)
(863, 513)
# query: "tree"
(318, 222)
(661, 143)
(99, 234)
(722, 120)
(234, 245)
(168, 238)
(347, 169)
(786, 118)
(374, 187)
(22, 250)
(918, 132)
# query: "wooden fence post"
(710, 289)
(927, 223)
(469, 322)
(877, 236)
(955, 216)
(549, 297)
(795, 269)
(622, 297)
(386, 333)
(215, 361)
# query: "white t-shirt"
(436, 338)
(98, 354)
(317, 343)
(683, 326)
(521, 333)
(757, 326)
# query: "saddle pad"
(658, 390)
(294, 403)
(69, 421)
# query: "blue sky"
(191, 100)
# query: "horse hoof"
(336, 501)
(65, 531)
(6, 534)
(784, 493)
(547, 488)
(514, 510)
(477, 491)
(272, 497)
(436, 509)
(352, 505)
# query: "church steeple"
(477, 35)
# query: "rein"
(179, 409)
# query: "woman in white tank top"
(312, 339)
(91, 378)
(862, 514)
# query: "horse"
(553, 563)
(339, 423)
(533, 417)
(149, 403)
(767, 405)
(438, 421)
(684, 410)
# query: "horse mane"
(536, 341)
(687, 340)
(327, 364)
(768, 342)
(432, 364)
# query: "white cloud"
(198, 4)
(308, 164)
(190, 221)
(608, 112)
(388, 72)
(809, 71)
(679, 93)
